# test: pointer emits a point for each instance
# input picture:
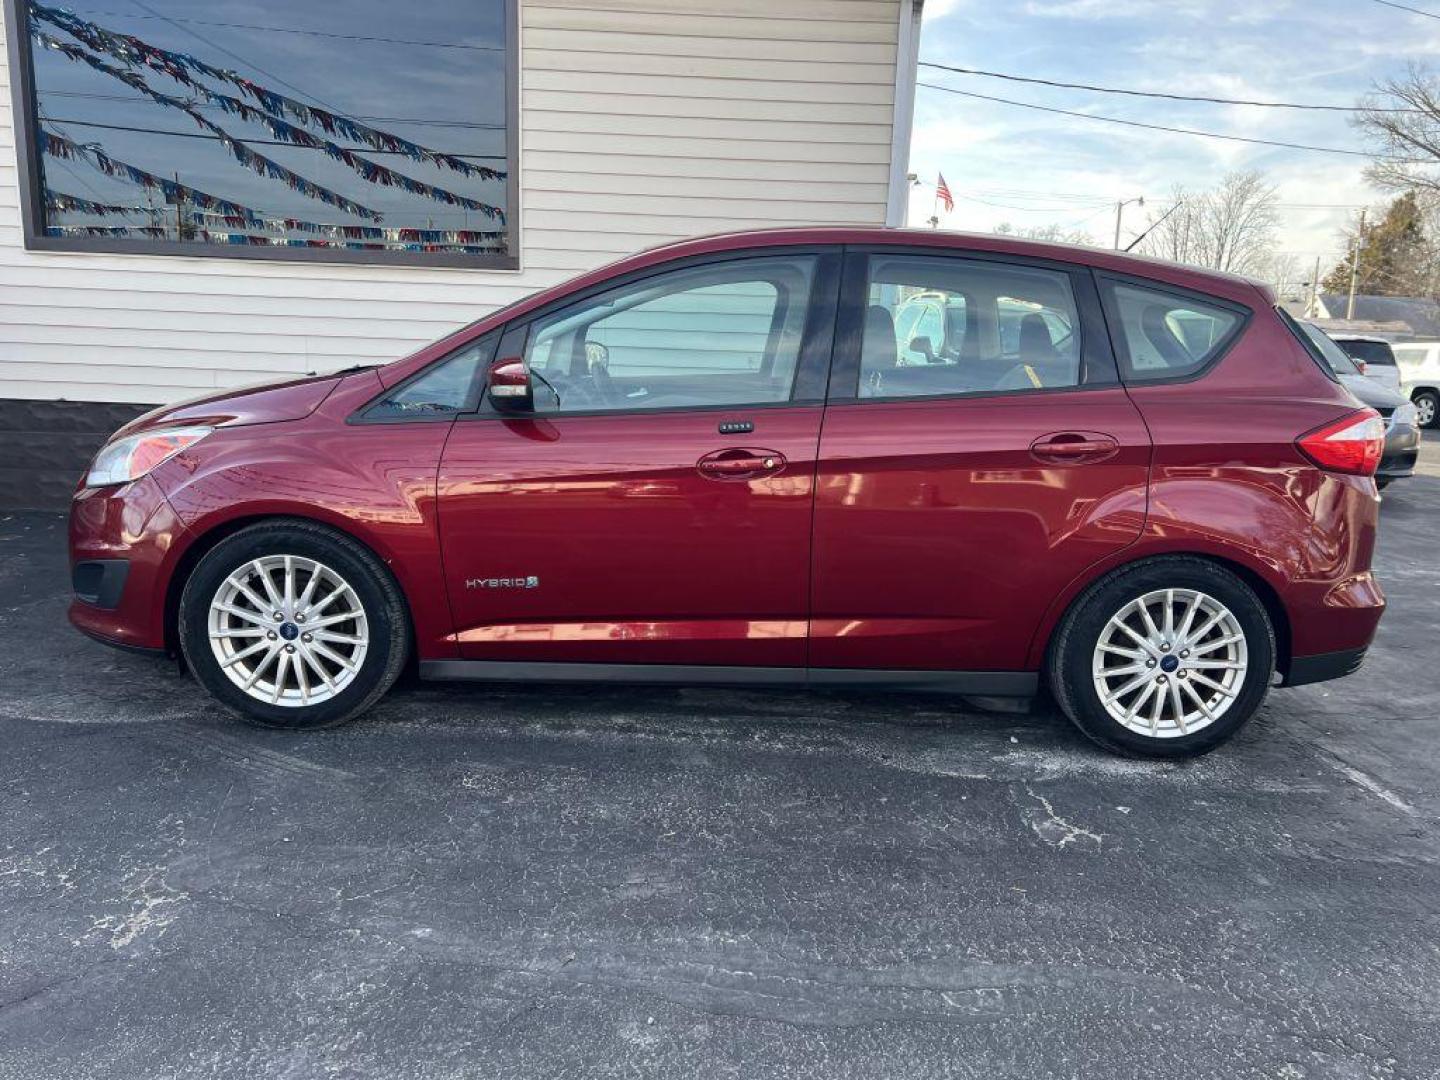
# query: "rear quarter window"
(1163, 335)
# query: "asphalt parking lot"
(581, 882)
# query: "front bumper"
(123, 545)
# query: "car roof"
(1216, 282)
(1204, 280)
(1341, 335)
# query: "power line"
(293, 30)
(236, 56)
(1152, 127)
(1107, 202)
(249, 141)
(1155, 93)
(1406, 7)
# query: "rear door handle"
(1074, 447)
(740, 464)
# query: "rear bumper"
(123, 545)
(1402, 449)
(1324, 667)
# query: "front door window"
(714, 336)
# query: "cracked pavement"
(607, 882)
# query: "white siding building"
(638, 122)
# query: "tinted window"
(1326, 346)
(1166, 336)
(726, 334)
(1412, 354)
(448, 386)
(1372, 352)
(990, 327)
(342, 127)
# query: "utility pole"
(1355, 267)
(1312, 308)
(1119, 212)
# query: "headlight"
(132, 457)
(1404, 414)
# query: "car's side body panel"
(597, 538)
(940, 537)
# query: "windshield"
(1333, 354)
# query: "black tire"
(1433, 399)
(384, 609)
(1076, 638)
(1381, 482)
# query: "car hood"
(1371, 392)
(265, 403)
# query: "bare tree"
(1402, 119)
(1051, 234)
(1286, 273)
(1231, 227)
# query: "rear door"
(655, 508)
(956, 498)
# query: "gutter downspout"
(907, 55)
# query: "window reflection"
(358, 125)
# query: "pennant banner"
(63, 202)
(182, 67)
(56, 200)
(356, 232)
(58, 146)
(371, 171)
(248, 240)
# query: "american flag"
(942, 192)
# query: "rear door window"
(984, 327)
(1164, 335)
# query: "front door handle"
(1074, 447)
(740, 464)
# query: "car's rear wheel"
(291, 624)
(1427, 408)
(1166, 658)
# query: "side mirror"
(510, 388)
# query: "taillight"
(1360, 366)
(1352, 444)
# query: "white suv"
(1419, 363)
(1374, 356)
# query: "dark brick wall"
(46, 445)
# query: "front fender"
(374, 482)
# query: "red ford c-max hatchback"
(834, 456)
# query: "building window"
(350, 131)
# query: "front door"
(655, 507)
(966, 479)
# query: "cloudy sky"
(1025, 167)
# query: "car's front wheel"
(1166, 658)
(1427, 408)
(291, 624)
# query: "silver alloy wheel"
(1425, 410)
(288, 630)
(1170, 663)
